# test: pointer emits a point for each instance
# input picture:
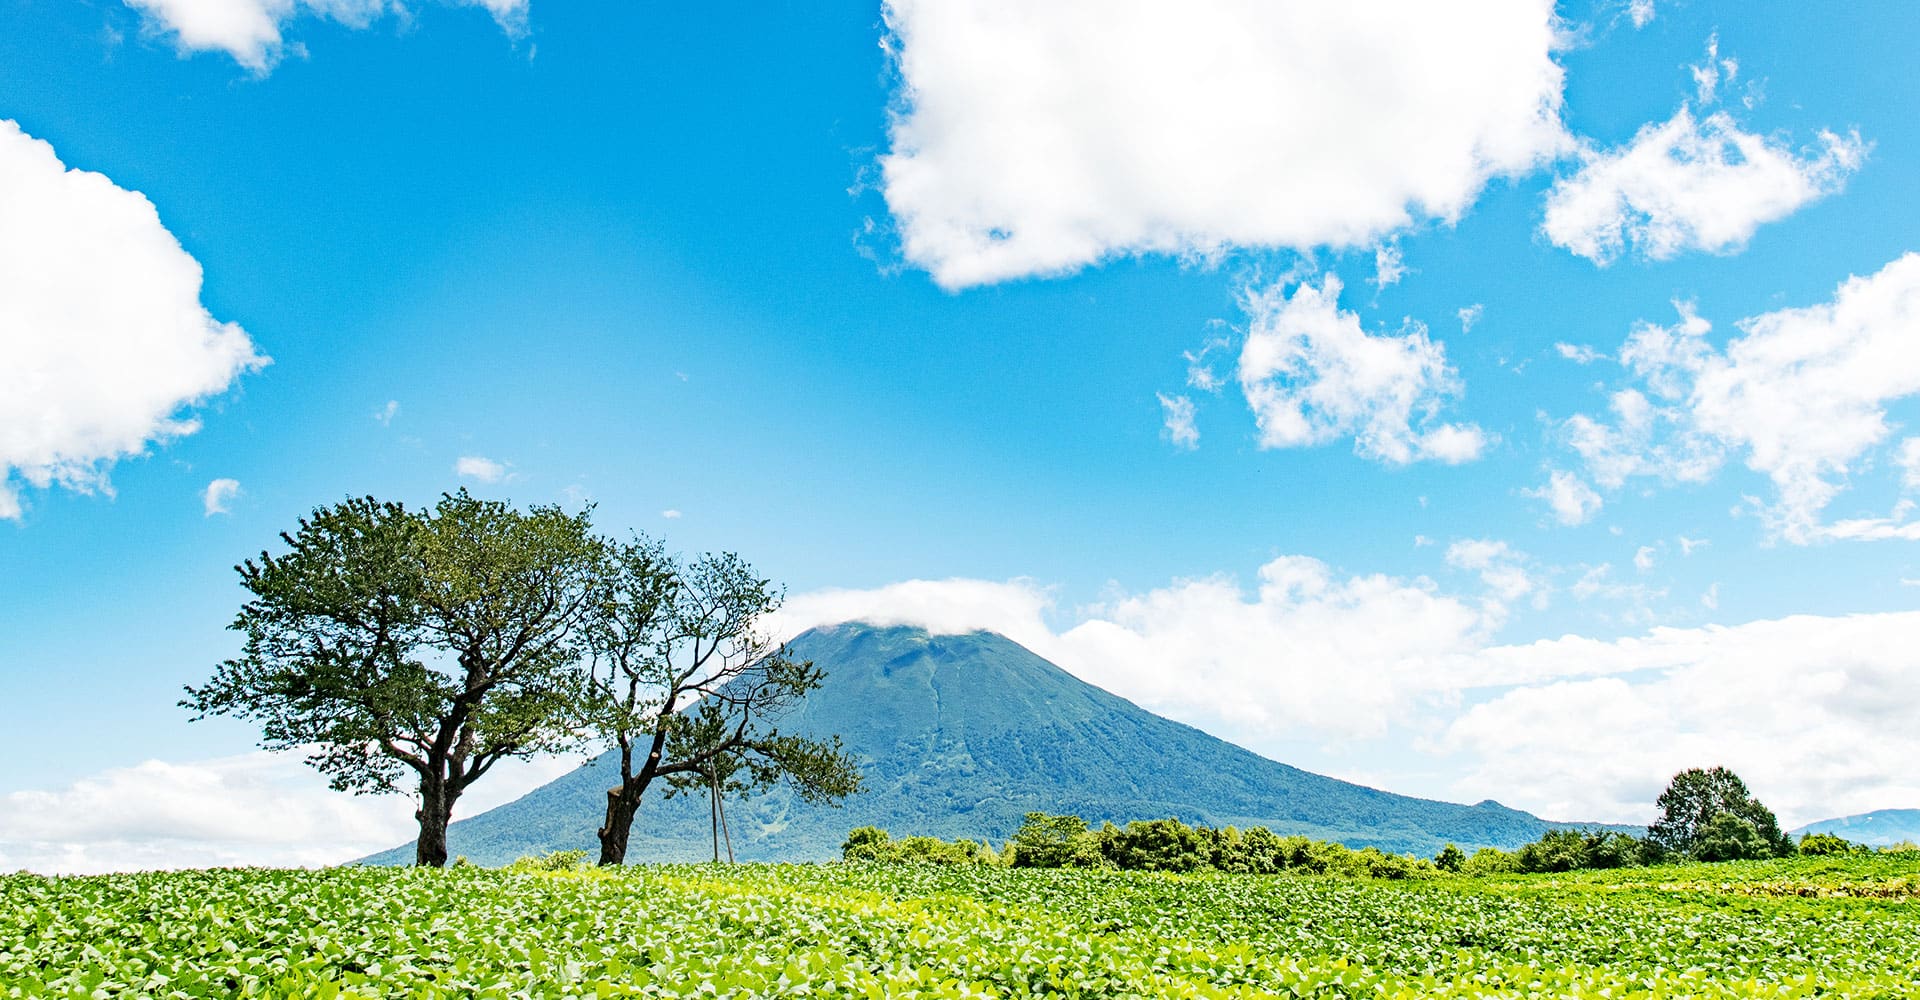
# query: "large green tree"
(686, 685)
(1708, 814)
(393, 644)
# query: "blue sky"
(910, 305)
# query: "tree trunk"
(435, 812)
(622, 804)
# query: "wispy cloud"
(219, 496)
(478, 467)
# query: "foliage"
(870, 843)
(1690, 826)
(1162, 845)
(955, 931)
(1048, 841)
(393, 643)
(682, 674)
(1451, 859)
(552, 861)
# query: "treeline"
(1045, 840)
(1705, 815)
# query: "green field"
(1812, 927)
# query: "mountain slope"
(1878, 828)
(959, 736)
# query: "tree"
(1048, 841)
(1450, 859)
(686, 687)
(1691, 802)
(390, 643)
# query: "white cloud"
(1312, 375)
(1177, 412)
(1572, 500)
(1687, 545)
(1035, 139)
(1641, 12)
(251, 31)
(1807, 708)
(1801, 393)
(1501, 568)
(1711, 72)
(1469, 315)
(1016, 609)
(104, 345)
(253, 809)
(386, 413)
(1711, 599)
(1691, 184)
(219, 496)
(1388, 267)
(1908, 458)
(671, 514)
(481, 468)
(1579, 354)
(1643, 558)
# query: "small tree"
(1450, 859)
(686, 686)
(1695, 797)
(436, 643)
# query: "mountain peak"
(960, 735)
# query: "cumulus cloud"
(1805, 707)
(386, 413)
(1312, 375)
(1570, 498)
(1692, 184)
(1177, 414)
(253, 809)
(1640, 12)
(1035, 139)
(671, 514)
(479, 467)
(219, 496)
(1801, 394)
(105, 348)
(252, 31)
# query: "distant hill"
(960, 736)
(1878, 828)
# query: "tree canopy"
(686, 685)
(386, 643)
(1709, 815)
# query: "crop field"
(1839, 928)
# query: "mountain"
(960, 736)
(1878, 829)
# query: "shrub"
(1729, 837)
(1048, 841)
(1818, 844)
(1160, 845)
(553, 861)
(1490, 861)
(1450, 859)
(865, 843)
